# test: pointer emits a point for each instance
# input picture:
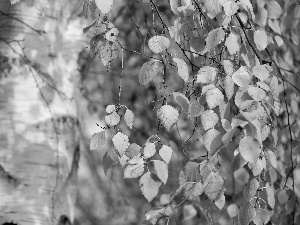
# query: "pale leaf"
(226, 125)
(195, 109)
(212, 7)
(262, 216)
(134, 167)
(129, 118)
(279, 40)
(258, 166)
(206, 74)
(250, 189)
(157, 43)
(274, 87)
(121, 142)
(228, 67)
(168, 116)
(149, 187)
(165, 153)
(257, 93)
(262, 72)
(183, 70)
(214, 98)
(97, 140)
(247, 4)
(263, 86)
(232, 43)
(209, 119)
(104, 5)
(229, 87)
(250, 149)
(161, 170)
(147, 72)
(112, 119)
(212, 140)
(110, 109)
(275, 26)
(230, 8)
(213, 186)
(214, 37)
(189, 212)
(261, 39)
(270, 195)
(273, 9)
(182, 100)
(206, 88)
(148, 150)
(271, 158)
(242, 77)
(110, 159)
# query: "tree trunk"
(40, 42)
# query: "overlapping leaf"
(168, 116)
(149, 187)
(147, 72)
(157, 43)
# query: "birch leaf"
(147, 72)
(209, 119)
(129, 118)
(249, 149)
(183, 70)
(214, 37)
(168, 116)
(182, 100)
(214, 98)
(261, 39)
(165, 153)
(157, 43)
(121, 142)
(149, 187)
(161, 170)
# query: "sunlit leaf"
(270, 195)
(262, 216)
(104, 5)
(246, 214)
(247, 5)
(168, 116)
(157, 43)
(121, 142)
(209, 119)
(229, 87)
(134, 167)
(129, 118)
(214, 98)
(212, 140)
(149, 187)
(273, 9)
(183, 70)
(213, 186)
(232, 210)
(228, 67)
(206, 74)
(257, 93)
(249, 149)
(230, 8)
(242, 77)
(262, 72)
(232, 43)
(241, 176)
(271, 158)
(212, 7)
(261, 39)
(112, 119)
(161, 170)
(165, 153)
(148, 150)
(214, 37)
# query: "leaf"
(249, 149)
(189, 212)
(260, 39)
(134, 167)
(86, 29)
(232, 44)
(220, 202)
(206, 88)
(97, 140)
(214, 98)
(241, 176)
(279, 40)
(256, 93)
(262, 72)
(258, 166)
(270, 195)
(206, 74)
(209, 119)
(232, 210)
(183, 69)
(157, 43)
(165, 153)
(111, 34)
(104, 5)
(168, 116)
(262, 216)
(182, 100)
(274, 87)
(148, 150)
(149, 187)
(227, 137)
(283, 197)
(274, 25)
(147, 72)
(273, 9)
(230, 8)
(177, 5)
(246, 214)
(212, 140)
(133, 150)
(121, 142)
(109, 52)
(195, 109)
(297, 12)
(226, 125)
(213, 186)
(247, 4)
(161, 170)
(123, 160)
(250, 190)
(224, 109)
(272, 158)
(242, 77)
(110, 159)
(263, 86)
(229, 87)
(212, 7)
(214, 37)
(129, 118)
(110, 109)
(228, 67)
(112, 119)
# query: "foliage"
(236, 94)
